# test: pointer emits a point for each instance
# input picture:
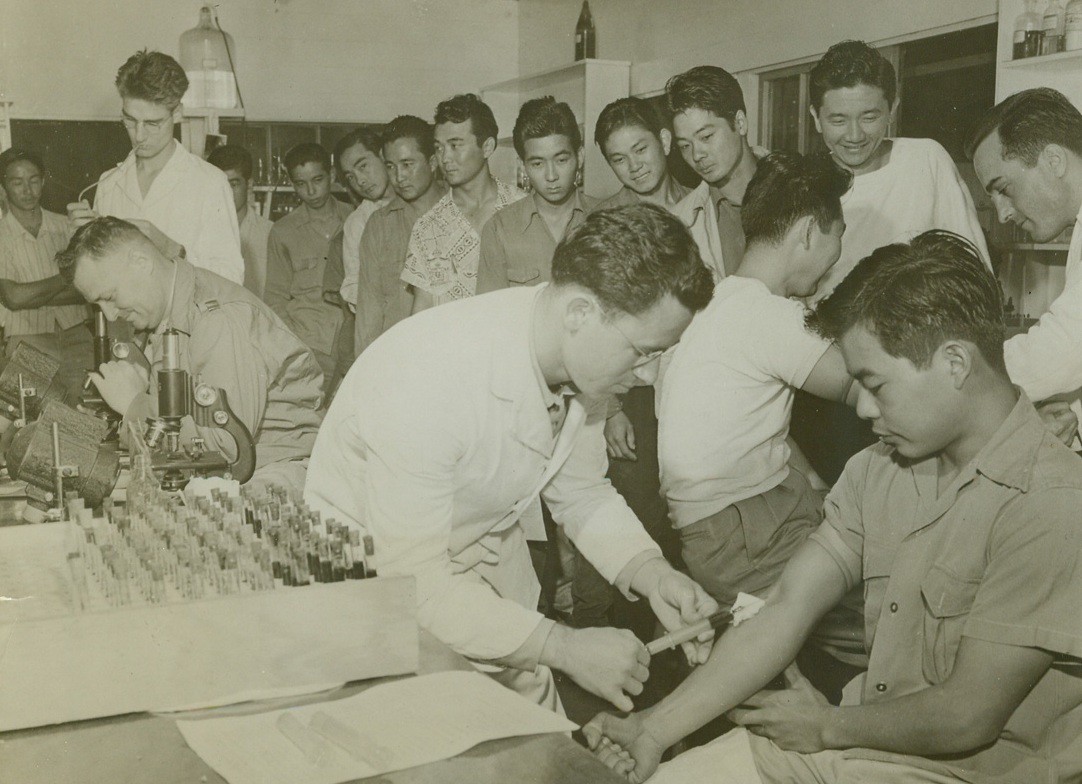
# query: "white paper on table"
(404, 723)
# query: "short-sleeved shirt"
(296, 259)
(254, 232)
(25, 258)
(728, 396)
(445, 250)
(189, 201)
(517, 246)
(994, 557)
(383, 298)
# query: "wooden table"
(143, 747)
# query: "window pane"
(785, 113)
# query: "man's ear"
(1054, 157)
(666, 140)
(958, 357)
(740, 122)
(488, 146)
(578, 310)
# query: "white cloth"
(437, 441)
(1047, 359)
(728, 396)
(189, 201)
(352, 231)
(919, 189)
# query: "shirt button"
(880, 687)
(894, 607)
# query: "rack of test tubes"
(160, 548)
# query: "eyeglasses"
(149, 125)
(645, 357)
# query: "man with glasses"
(450, 425)
(183, 197)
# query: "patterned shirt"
(25, 258)
(445, 249)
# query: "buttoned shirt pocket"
(523, 276)
(307, 275)
(948, 599)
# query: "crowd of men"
(537, 403)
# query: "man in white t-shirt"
(740, 508)
(901, 187)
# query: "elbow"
(966, 730)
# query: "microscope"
(179, 396)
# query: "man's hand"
(81, 213)
(620, 436)
(679, 601)
(793, 718)
(610, 663)
(1060, 419)
(613, 738)
(119, 383)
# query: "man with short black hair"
(961, 525)
(518, 242)
(236, 162)
(383, 298)
(36, 300)
(710, 126)
(448, 427)
(297, 256)
(636, 146)
(445, 245)
(1027, 152)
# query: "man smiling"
(901, 187)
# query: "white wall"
(664, 38)
(328, 60)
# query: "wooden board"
(58, 666)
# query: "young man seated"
(962, 524)
(229, 337)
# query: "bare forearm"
(927, 723)
(37, 294)
(743, 661)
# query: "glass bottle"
(207, 55)
(1072, 39)
(585, 34)
(1053, 28)
(1027, 32)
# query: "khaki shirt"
(296, 258)
(232, 340)
(994, 557)
(517, 246)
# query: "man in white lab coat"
(1027, 152)
(448, 427)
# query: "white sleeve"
(953, 207)
(217, 247)
(779, 343)
(352, 232)
(1047, 359)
